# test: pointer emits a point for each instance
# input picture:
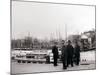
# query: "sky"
(46, 20)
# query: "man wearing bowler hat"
(55, 53)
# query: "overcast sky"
(45, 20)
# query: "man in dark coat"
(70, 51)
(64, 55)
(55, 53)
(77, 53)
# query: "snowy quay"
(87, 62)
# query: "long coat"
(64, 53)
(55, 52)
(70, 51)
(77, 51)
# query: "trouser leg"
(64, 65)
(71, 60)
(77, 63)
(68, 62)
(55, 61)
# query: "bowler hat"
(69, 41)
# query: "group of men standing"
(68, 55)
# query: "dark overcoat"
(77, 51)
(70, 51)
(55, 52)
(64, 53)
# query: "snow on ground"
(34, 68)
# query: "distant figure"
(70, 51)
(77, 53)
(55, 53)
(64, 55)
